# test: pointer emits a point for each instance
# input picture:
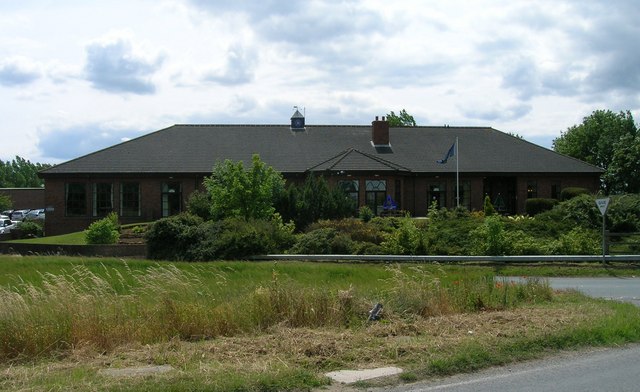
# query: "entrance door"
(502, 191)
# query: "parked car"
(37, 214)
(7, 212)
(6, 225)
(18, 215)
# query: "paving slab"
(136, 371)
(351, 376)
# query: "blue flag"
(450, 153)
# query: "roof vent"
(297, 120)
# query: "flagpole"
(457, 173)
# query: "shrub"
(315, 242)
(172, 238)
(489, 239)
(406, 240)
(452, 236)
(488, 207)
(580, 211)
(623, 214)
(571, 192)
(104, 231)
(199, 204)
(578, 241)
(236, 238)
(537, 205)
(356, 229)
(29, 229)
(365, 213)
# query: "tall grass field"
(52, 308)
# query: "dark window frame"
(130, 200)
(75, 199)
(102, 198)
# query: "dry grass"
(411, 344)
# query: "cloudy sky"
(77, 76)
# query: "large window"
(130, 199)
(171, 198)
(102, 199)
(352, 189)
(465, 195)
(437, 193)
(375, 194)
(75, 199)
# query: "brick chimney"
(380, 132)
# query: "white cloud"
(18, 71)
(114, 65)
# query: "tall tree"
(402, 119)
(249, 194)
(595, 141)
(623, 173)
(21, 173)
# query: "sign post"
(603, 204)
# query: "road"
(601, 370)
(615, 369)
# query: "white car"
(6, 225)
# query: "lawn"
(276, 326)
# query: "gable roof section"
(355, 160)
(197, 148)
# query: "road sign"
(603, 204)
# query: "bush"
(365, 213)
(173, 238)
(537, 205)
(356, 229)
(28, 229)
(104, 231)
(571, 192)
(489, 239)
(236, 238)
(488, 207)
(406, 240)
(578, 241)
(315, 242)
(199, 204)
(624, 213)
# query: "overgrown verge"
(81, 308)
(284, 358)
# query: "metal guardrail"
(451, 259)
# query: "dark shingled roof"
(197, 148)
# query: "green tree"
(402, 119)
(248, 194)
(623, 174)
(21, 173)
(312, 201)
(5, 202)
(595, 141)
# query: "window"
(171, 198)
(102, 199)
(437, 193)
(130, 199)
(532, 189)
(352, 189)
(465, 195)
(555, 191)
(375, 194)
(75, 199)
